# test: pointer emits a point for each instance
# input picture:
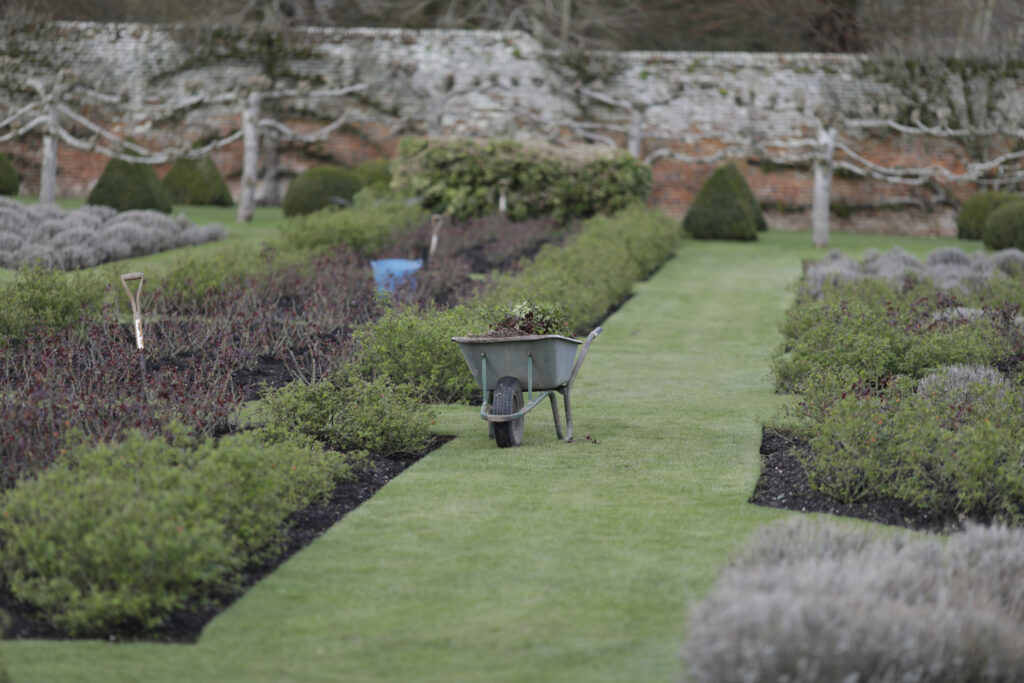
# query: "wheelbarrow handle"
(583, 352)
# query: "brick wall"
(505, 85)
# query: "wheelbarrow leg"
(489, 401)
(568, 415)
(554, 413)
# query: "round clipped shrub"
(720, 211)
(319, 187)
(196, 181)
(1005, 226)
(744, 192)
(375, 174)
(126, 186)
(970, 222)
(9, 178)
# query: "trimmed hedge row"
(463, 178)
(593, 273)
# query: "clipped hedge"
(744, 192)
(316, 188)
(196, 182)
(125, 186)
(974, 212)
(9, 177)
(41, 297)
(1004, 227)
(721, 209)
(123, 534)
(367, 227)
(464, 179)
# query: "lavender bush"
(90, 235)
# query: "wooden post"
(250, 158)
(822, 186)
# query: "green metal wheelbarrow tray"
(504, 366)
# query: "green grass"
(553, 561)
(261, 229)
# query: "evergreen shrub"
(125, 186)
(196, 182)
(744, 192)
(374, 174)
(974, 212)
(720, 209)
(314, 189)
(41, 297)
(115, 535)
(9, 178)
(1004, 227)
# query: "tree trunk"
(822, 187)
(48, 174)
(250, 159)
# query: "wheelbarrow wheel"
(508, 399)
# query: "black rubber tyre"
(508, 399)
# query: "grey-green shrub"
(350, 413)
(810, 601)
(1004, 227)
(974, 212)
(123, 534)
(721, 210)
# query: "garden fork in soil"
(135, 299)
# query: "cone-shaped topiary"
(318, 187)
(974, 212)
(196, 181)
(720, 211)
(1005, 226)
(9, 178)
(126, 186)
(744, 192)
(375, 174)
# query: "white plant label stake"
(135, 299)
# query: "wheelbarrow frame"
(514, 356)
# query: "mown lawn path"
(550, 562)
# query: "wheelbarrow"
(504, 366)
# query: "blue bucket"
(392, 273)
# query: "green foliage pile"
(1004, 227)
(367, 227)
(126, 186)
(196, 182)
(590, 275)
(529, 317)
(724, 208)
(464, 179)
(40, 296)
(350, 413)
(899, 395)
(314, 189)
(126, 533)
(974, 212)
(9, 178)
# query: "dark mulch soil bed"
(783, 484)
(303, 527)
